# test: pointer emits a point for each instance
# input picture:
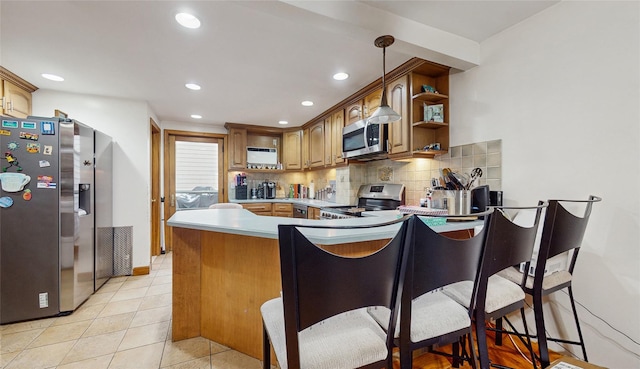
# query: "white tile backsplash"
(415, 174)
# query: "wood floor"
(506, 355)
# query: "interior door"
(194, 173)
(156, 220)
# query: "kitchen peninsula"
(226, 264)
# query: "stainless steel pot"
(456, 202)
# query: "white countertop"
(245, 223)
(308, 202)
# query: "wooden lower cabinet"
(313, 213)
(259, 208)
(270, 209)
(282, 210)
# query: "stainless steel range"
(371, 197)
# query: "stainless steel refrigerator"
(47, 217)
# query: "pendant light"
(384, 114)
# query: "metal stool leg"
(543, 346)
(575, 316)
(266, 349)
(526, 332)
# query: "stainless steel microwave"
(362, 140)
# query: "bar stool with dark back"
(428, 317)
(562, 233)
(321, 321)
(507, 244)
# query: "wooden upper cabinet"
(237, 148)
(306, 161)
(337, 123)
(372, 102)
(292, 149)
(16, 94)
(16, 101)
(400, 131)
(353, 113)
(328, 140)
(316, 144)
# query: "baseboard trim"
(141, 270)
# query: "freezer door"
(104, 208)
(29, 272)
(77, 216)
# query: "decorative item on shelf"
(60, 114)
(432, 146)
(427, 88)
(434, 113)
(384, 114)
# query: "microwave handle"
(366, 139)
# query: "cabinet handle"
(173, 200)
(10, 105)
(3, 101)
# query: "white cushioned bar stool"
(321, 322)
(507, 244)
(562, 233)
(428, 317)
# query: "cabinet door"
(237, 148)
(283, 210)
(400, 131)
(337, 123)
(316, 144)
(328, 140)
(354, 113)
(260, 208)
(306, 162)
(313, 213)
(372, 102)
(16, 101)
(292, 145)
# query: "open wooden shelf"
(430, 97)
(428, 153)
(423, 124)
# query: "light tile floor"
(126, 324)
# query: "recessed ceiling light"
(192, 86)
(307, 103)
(340, 76)
(188, 20)
(283, 122)
(52, 77)
(196, 116)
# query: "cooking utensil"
(475, 174)
(455, 181)
(463, 178)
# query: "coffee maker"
(269, 190)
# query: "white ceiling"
(255, 60)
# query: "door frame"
(156, 219)
(167, 170)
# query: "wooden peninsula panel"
(186, 284)
(220, 280)
(239, 273)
